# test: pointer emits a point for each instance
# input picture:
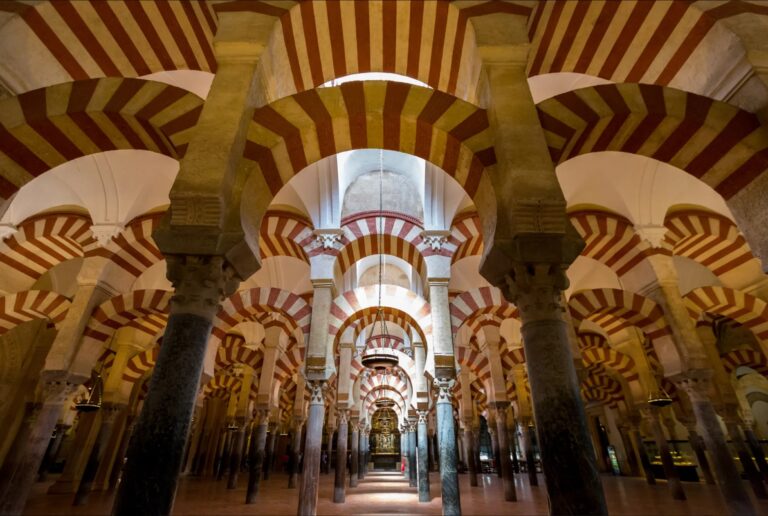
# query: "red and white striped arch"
(364, 319)
(133, 250)
(140, 364)
(47, 127)
(29, 305)
(475, 361)
(245, 304)
(234, 351)
(611, 240)
(286, 234)
(44, 241)
(725, 147)
(746, 309)
(289, 362)
(401, 237)
(385, 393)
(595, 350)
(291, 133)
(632, 41)
(119, 38)
(386, 342)
(466, 236)
(475, 306)
(601, 388)
(432, 42)
(745, 358)
(124, 310)
(707, 238)
(352, 304)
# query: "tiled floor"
(388, 493)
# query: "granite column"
(354, 446)
(413, 473)
(505, 462)
(449, 480)
(311, 474)
(293, 466)
(256, 453)
(361, 453)
(341, 457)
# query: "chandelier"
(91, 402)
(379, 360)
(659, 398)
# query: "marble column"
(505, 462)
(224, 451)
(449, 480)
(256, 453)
(469, 452)
(15, 454)
(42, 423)
(236, 452)
(413, 473)
(53, 450)
(269, 454)
(567, 458)
(495, 449)
(367, 451)
(422, 459)
(311, 474)
(737, 499)
(157, 446)
(354, 446)
(361, 454)
(293, 469)
(529, 433)
(433, 452)
(745, 457)
(701, 456)
(341, 457)
(673, 479)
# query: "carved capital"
(696, 383)
(536, 289)
(328, 238)
(423, 416)
(57, 392)
(435, 239)
(342, 416)
(201, 283)
(444, 389)
(317, 391)
(260, 415)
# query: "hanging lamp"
(92, 402)
(659, 398)
(378, 359)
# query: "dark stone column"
(422, 459)
(109, 413)
(361, 453)
(449, 480)
(757, 450)
(505, 464)
(236, 454)
(673, 479)
(637, 439)
(495, 450)
(51, 453)
(157, 446)
(529, 434)
(567, 458)
(222, 461)
(737, 499)
(269, 455)
(745, 457)
(41, 425)
(469, 452)
(405, 443)
(433, 452)
(341, 457)
(413, 474)
(353, 453)
(293, 470)
(311, 476)
(631, 455)
(117, 469)
(696, 443)
(256, 454)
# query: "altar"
(385, 440)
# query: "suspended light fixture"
(384, 403)
(379, 360)
(91, 402)
(659, 398)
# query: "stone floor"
(388, 493)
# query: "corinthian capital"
(444, 389)
(537, 289)
(201, 283)
(317, 391)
